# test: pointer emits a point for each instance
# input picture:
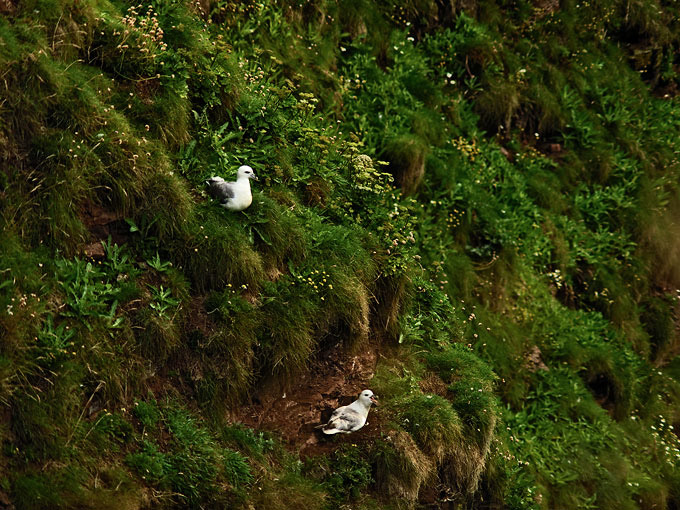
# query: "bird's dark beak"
(253, 176)
(374, 399)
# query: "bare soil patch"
(334, 379)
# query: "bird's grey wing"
(337, 412)
(222, 190)
(348, 420)
(329, 424)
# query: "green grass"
(345, 475)
(191, 463)
(401, 468)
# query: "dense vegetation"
(484, 192)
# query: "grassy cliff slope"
(469, 207)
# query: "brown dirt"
(147, 89)
(335, 379)
(533, 360)
(5, 503)
(8, 7)
(198, 317)
(102, 224)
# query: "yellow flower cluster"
(453, 219)
(316, 280)
(468, 148)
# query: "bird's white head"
(245, 172)
(367, 398)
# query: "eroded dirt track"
(332, 381)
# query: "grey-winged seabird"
(235, 196)
(350, 418)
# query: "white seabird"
(350, 418)
(235, 196)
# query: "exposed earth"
(293, 414)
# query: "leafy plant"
(150, 463)
(157, 264)
(255, 443)
(55, 341)
(88, 293)
(163, 302)
(147, 413)
(236, 470)
(349, 474)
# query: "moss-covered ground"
(483, 195)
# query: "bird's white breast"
(242, 196)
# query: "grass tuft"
(402, 469)
(158, 336)
(214, 250)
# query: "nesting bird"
(350, 418)
(235, 196)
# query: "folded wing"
(221, 190)
(344, 420)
